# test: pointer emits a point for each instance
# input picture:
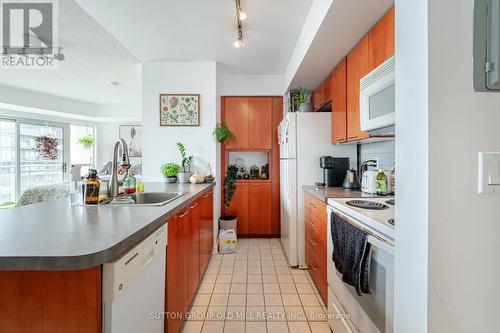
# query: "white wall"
(160, 142)
(463, 225)
(446, 255)
(412, 169)
(251, 85)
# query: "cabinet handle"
(353, 137)
(196, 204)
(340, 140)
(312, 205)
(312, 242)
(180, 216)
(205, 196)
(314, 268)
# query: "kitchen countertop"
(325, 193)
(58, 235)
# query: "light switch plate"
(489, 172)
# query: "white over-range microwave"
(377, 98)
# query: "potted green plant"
(169, 171)
(222, 133)
(87, 141)
(303, 100)
(229, 221)
(186, 162)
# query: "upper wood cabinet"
(339, 102)
(381, 40)
(322, 94)
(249, 118)
(236, 117)
(357, 67)
(259, 120)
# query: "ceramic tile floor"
(255, 291)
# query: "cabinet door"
(236, 117)
(183, 254)
(357, 67)
(175, 269)
(381, 40)
(339, 103)
(260, 118)
(193, 249)
(239, 207)
(259, 209)
(206, 232)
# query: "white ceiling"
(93, 59)
(202, 30)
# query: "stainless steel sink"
(145, 199)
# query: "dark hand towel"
(351, 253)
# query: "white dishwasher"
(134, 288)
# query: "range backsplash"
(383, 151)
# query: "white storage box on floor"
(227, 241)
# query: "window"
(22, 166)
(7, 162)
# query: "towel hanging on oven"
(351, 253)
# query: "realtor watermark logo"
(29, 38)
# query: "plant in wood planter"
(169, 171)
(87, 141)
(47, 147)
(229, 221)
(222, 133)
(186, 162)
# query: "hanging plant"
(230, 184)
(87, 141)
(223, 133)
(47, 147)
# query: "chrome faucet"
(125, 163)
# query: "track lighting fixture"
(240, 16)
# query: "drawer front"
(316, 207)
(317, 268)
(315, 228)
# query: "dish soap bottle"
(393, 180)
(92, 188)
(381, 182)
(129, 183)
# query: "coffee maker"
(334, 170)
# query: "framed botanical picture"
(132, 134)
(179, 109)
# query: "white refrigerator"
(303, 138)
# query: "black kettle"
(351, 180)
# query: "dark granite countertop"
(58, 235)
(325, 193)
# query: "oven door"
(373, 312)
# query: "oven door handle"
(381, 244)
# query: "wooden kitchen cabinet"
(193, 248)
(316, 242)
(259, 208)
(51, 301)
(249, 118)
(339, 105)
(259, 122)
(251, 204)
(357, 67)
(206, 233)
(189, 246)
(322, 94)
(381, 40)
(239, 207)
(236, 116)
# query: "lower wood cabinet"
(51, 301)
(316, 251)
(190, 243)
(252, 205)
